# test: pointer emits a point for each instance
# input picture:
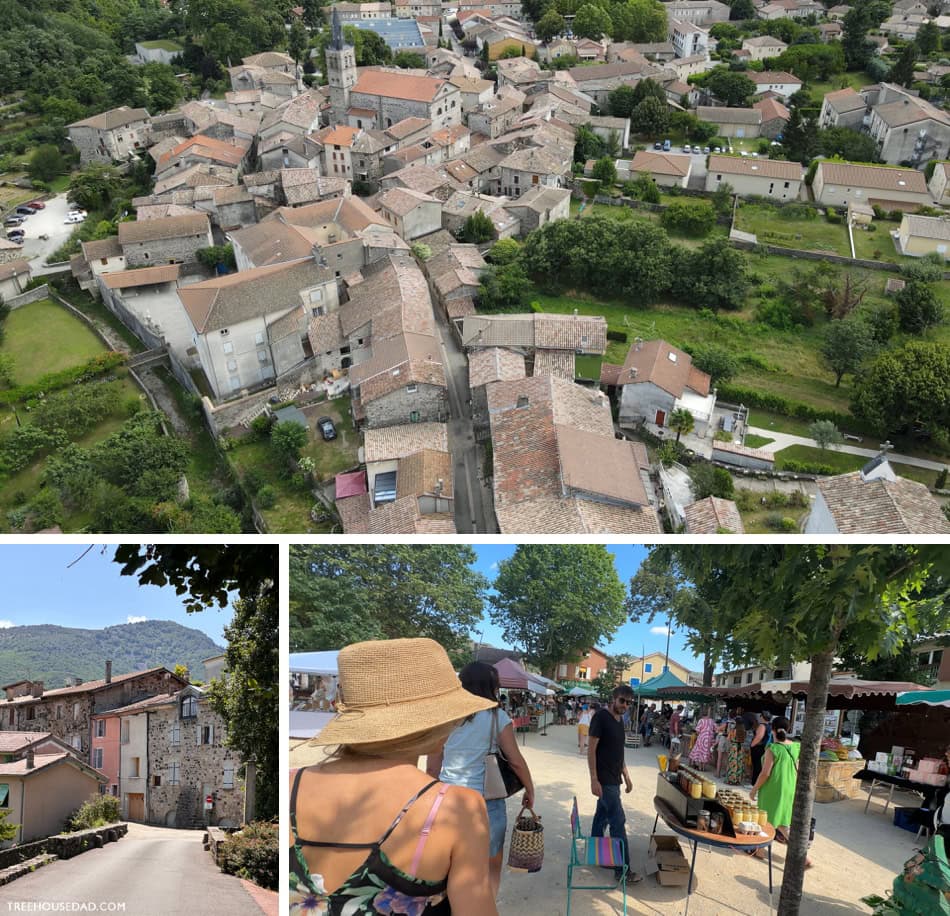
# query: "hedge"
(753, 397)
(805, 467)
(98, 365)
(252, 854)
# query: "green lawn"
(843, 462)
(754, 441)
(878, 245)
(339, 454)
(771, 228)
(43, 337)
(764, 419)
(291, 511)
(819, 90)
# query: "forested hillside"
(51, 654)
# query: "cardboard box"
(677, 878)
(672, 866)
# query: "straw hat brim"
(389, 721)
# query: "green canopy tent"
(649, 689)
(930, 697)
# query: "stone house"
(666, 169)
(756, 177)
(66, 712)
(656, 380)
(410, 213)
(111, 136)
(103, 256)
(762, 46)
(495, 117)
(39, 791)
(774, 117)
(393, 96)
(525, 169)
(287, 150)
(335, 155)
(455, 273)
(171, 240)
(474, 92)
(839, 183)
(300, 116)
(216, 154)
(540, 206)
(245, 77)
(14, 277)
(843, 108)
(463, 204)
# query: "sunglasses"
(623, 700)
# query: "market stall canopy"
(665, 681)
(314, 662)
(513, 677)
(843, 692)
(580, 692)
(929, 697)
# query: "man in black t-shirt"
(605, 758)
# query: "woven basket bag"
(526, 851)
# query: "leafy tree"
(801, 137)
(605, 172)
(845, 345)
(741, 10)
(611, 676)
(854, 38)
(902, 72)
(691, 217)
(733, 89)
(648, 89)
(825, 433)
(341, 594)
(592, 22)
(928, 38)
(411, 61)
(587, 145)
(918, 307)
(848, 144)
(622, 100)
(716, 361)
(94, 187)
(557, 601)
(298, 40)
(216, 255)
(928, 269)
(812, 61)
(722, 198)
(504, 288)
(644, 188)
(708, 480)
(682, 421)
(715, 276)
(288, 438)
(46, 163)
(903, 386)
(478, 228)
(504, 251)
(803, 602)
(639, 21)
(163, 89)
(550, 25)
(650, 117)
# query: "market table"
(717, 840)
(925, 790)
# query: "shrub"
(421, 251)
(941, 481)
(261, 426)
(620, 336)
(797, 212)
(52, 381)
(94, 812)
(266, 497)
(755, 397)
(692, 217)
(805, 467)
(833, 216)
(252, 854)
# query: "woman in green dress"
(775, 786)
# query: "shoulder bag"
(501, 781)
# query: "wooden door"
(135, 802)
(661, 418)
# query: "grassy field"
(844, 463)
(43, 337)
(754, 441)
(339, 454)
(764, 419)
(819, 90)
(878, 245)
(771, 228)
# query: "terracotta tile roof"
(610, 374)
(231, 154)
(354, 513)
(882, 506)
(766, 77)
(143, 276)
(402, 201)
(605, 467)
(660, 164)
(12, 742)
(162, 699)
(772, 109)
(494, 364)
(341, 135)
(554, 362)
(665, 366)
(170, 227)
(554, 332)
(460, 308)
(729, 115)
(325, 333)
(42, 761)
(398, 85)
(91, 686)
(756, 168)
(394, 442)
(115, 117)
(713, 516)
(268, 59)
(928, 227)
(425, 473)
(15, 269)
(878, 177)
(407, 127)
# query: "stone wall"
(31, 295)
(201, 770)
(159, 251)
(63, 845)
(428, 404)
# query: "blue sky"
(632, 638)
(37, 587)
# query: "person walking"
(583, 727)
(462, 761)
(358, 846)
(701, 754)
(760, 741)
(605, 760)
(775, 784)
(735, 763)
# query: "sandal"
(781, 838)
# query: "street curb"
(25, 868)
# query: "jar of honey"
(763, 817)
(695, 789)
(709, 789)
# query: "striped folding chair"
(594, 852)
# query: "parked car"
(658, 145)
(16, 235)
(74, 218)
(706, 150)
(667, 146)
(718, 149)
(77, 212)
(24, 211)
(13, 221)
(687, 148)
(327, 429)
(36, 205)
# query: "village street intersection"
(152, 870)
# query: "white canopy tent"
(319, 663)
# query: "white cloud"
(132, 619)
(6, 624)
(660, 631)
(494, 567)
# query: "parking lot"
(48, 222)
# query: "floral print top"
(377, 886)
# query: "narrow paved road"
(153, 871)
(783, 440)
(473, 511)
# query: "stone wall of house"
(67, 718)
(427, 404)
(160, 251)
(172, 739)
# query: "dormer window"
(189, 707)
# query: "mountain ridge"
(52, 653)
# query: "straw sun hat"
(393, 688)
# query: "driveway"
(45, 222)
(151, 871)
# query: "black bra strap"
(379, 842)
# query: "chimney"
(29, 758)
(36, 688)
(109, 671)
